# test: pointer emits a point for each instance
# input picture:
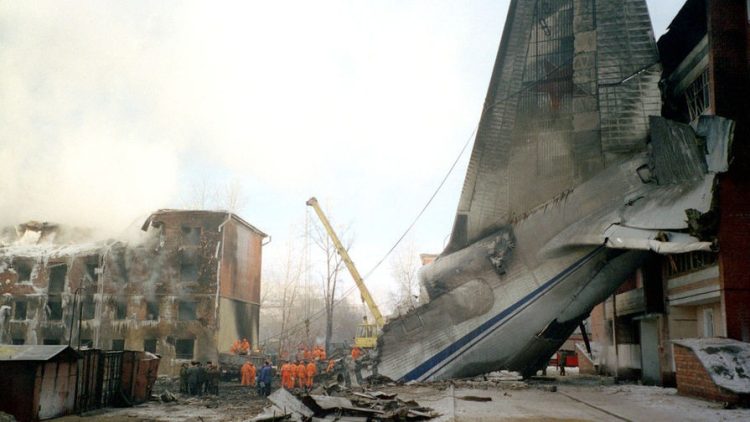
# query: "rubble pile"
(338, 404)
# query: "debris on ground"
(342, 405)
(474, 398)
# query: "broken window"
(57, 278)
(51, 341)
(152, 310)
(188, 269)
(149, 345)
(54, 309)
(121, 309)
(191, 235)
(23, 268)
(88, 308)
(92, 264)
(18, 341)
(183, 348)
(118, 344)
(697, 96)
(678, 264)
(186, 311)
(20, 311)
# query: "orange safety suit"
(312, 370)
(245, 372)
(245, 346)
(252, 375)
(235, 347)
(301, 373)
(356, 352)
(287, 379)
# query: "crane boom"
(313, 202)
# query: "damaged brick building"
(186, 289)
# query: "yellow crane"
(367, 333)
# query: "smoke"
(86, 137)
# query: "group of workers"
(240, 347)
(299, 373)
(197, 379)
(262, 381)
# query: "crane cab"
(367, 335)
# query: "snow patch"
(727, 361)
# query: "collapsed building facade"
(577, 180)
(186, 290)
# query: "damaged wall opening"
(19, 313)
(18, 341)
(23, 268)
(121, 309)
(57, 278)
(118, 344)
(87, 342)
(54, 309)
(191, 235)
(149, 345)
(51, 341)
(186, 311)
(88, 308)
(188, 269)
(152, 310)
(184, 348)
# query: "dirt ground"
(553, 398)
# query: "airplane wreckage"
(573, 181)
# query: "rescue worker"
(322, 353)
(284, 370)
(202, 378)
(310, 372)
(236, 347)
(252, 374)
(244, 347)
(192, 379)
(213, 379)
(184, 378)
(307, 355)
(331, 364)
(301, 374)
(356, 352)
(245, 372)
(265, 378)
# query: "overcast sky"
(112, 109)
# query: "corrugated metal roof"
(36, 352)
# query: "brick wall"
(694, 380)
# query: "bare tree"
(404, 267)
(333, 263)
(206, 195)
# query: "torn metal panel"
(285, 401)
(676, 154)
(718, 133)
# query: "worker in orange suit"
(286, 376)
(235, 347)
(312, 370)
(301, 375)
(322, 353)
(245, 372)
(245, 346)
(307, 355)
(331, 364)
(356, 352)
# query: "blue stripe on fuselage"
(480, 331)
